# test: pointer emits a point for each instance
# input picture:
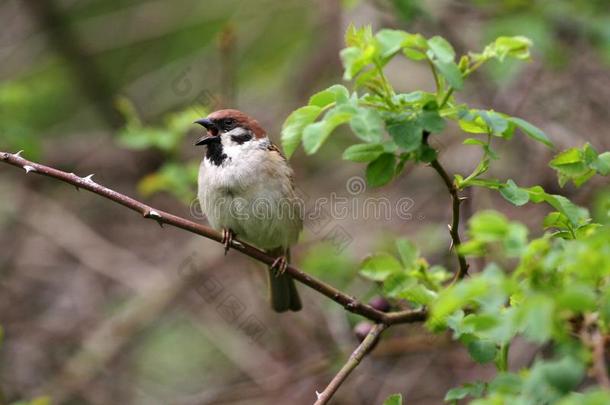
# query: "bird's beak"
(211, 135)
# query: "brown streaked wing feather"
(274, 148)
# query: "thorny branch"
(454, 227)
(350, 303)
(356, 357)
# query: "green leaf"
(550, 380)
(355, 59)
(391, 41)
(451, 72)
(407, 135)
(532, 131)
(487, 183)
(441, 49)
(595, 396)
(381, 171)
(396, 283)
(403, 286)
(578, 298)
(577, 215)
(483, 122)
(474, 141)
(432, 121)
(414, 54)
(408, 252)
(482, 351)
(334, 94)
(292, 130)
(567, 158)
(394, 399)
(358, 36)
(488, 226)
(508, 383)
(426, 154)
(415, 47)
(473, 123)
(556, 220)
(363, 152)
(380, 266)
(514, 194)
(571, 164)
(456, 297)
(517, 47)
(515, 240)
(496, 124)
(536, 317)
(367, 124)
(474, 390)
(317, 133)
(602, 164)
(579, 165)
(418, 294)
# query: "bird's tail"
(283, 292)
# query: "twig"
(353, 361)
(455, 223)
(592, 337)
(350, 303)
(599, 360)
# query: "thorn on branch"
(348, 302)
(18, 154)
(75, 185)
(154, 215)
(89, 178)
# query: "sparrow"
(246, 190)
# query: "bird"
(246, 190)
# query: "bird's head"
(229, 127)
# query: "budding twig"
(162, 217)
(354, 359)
(455, 223)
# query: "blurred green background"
(98, 306)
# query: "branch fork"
(382, 320)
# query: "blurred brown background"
(101, 307)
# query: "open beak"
(211, 135)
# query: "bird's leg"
(280, 265)
(227, 238)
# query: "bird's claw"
(280, 265)
(227, 239)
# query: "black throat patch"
(215, 153)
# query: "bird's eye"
(228, 125)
